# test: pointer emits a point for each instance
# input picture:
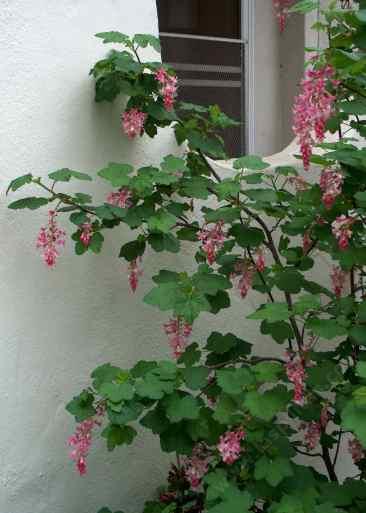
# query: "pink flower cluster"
(212, 240)
(86, 234)
(133, 122)
(312, 109)
(338, 277)
(121, 199)
(134, 273)
(243, 277)
(313, 431)
(342, 230)
(356, 450)
(81, 442)
(178, 332)
(229, 446)
(169, 86)
(281, 9)
(196, 466)
(331, 182)
(295, 371)
(50, 238)
(260, 261)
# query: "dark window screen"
(201, 39)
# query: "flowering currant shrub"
(250, 434)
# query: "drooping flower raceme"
(229, 446)
(134, 273)
(338, 277)
(50, 239)
(356, 450)
(168, 87)
(313, 431)
(260, 260)
(313, 108)
(342, 230)
(212, 240)
(243, 276)
(178, 332)
(121, 199)
(196, 466)
(133, 122)
(295, 371)
(86, 234)
(282, 11)
(81, 441)
(331, 182)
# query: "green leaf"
(271, 312)
(221, 344)
(132, 250)
(78, 218)
(106, 374)
(262, 195)
(279, 331)
(164, 242)
(358, 334)
(268, 372)
(117, 393)
(357, 107)
(175, 439)
(247, 237)
(209, 283)
(235, 381)
(145, 40)
(233, 501)
(267, 405)
(289, 280)
(172, 164)
(326, 328)
(19, 182)
(306, 303)
(274, 471)
(32, 203)
(196, 187)
(65, 175)
(361, 369)
(161, 221)
(212, 147)
(303, 7)
(252, 162)
(196, 377)
(217, 484)
(116, 174)
(113, 37)
(180, 408)
(118, 435)
(81, 407)
(354, 419)
(96, 242)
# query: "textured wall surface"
(58, 325)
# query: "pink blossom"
(178, 332)
(49, 239)
(212, 240)
(338, 277)
(134, 273)
(282, 11)
(167, 497)
(312, 109)
(81, 442)
(196, 466)
(324, 417)
(121, 199)
(342, 230)
(306, 242)
(86, 234)
(133, 122)
(260, 261)
(295, 370)
(229, 446)
(356, 450)
(313, 431)
(243, 277)
(331, 182)
(168, 88)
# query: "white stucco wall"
(58, 325)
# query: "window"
(203, 41)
